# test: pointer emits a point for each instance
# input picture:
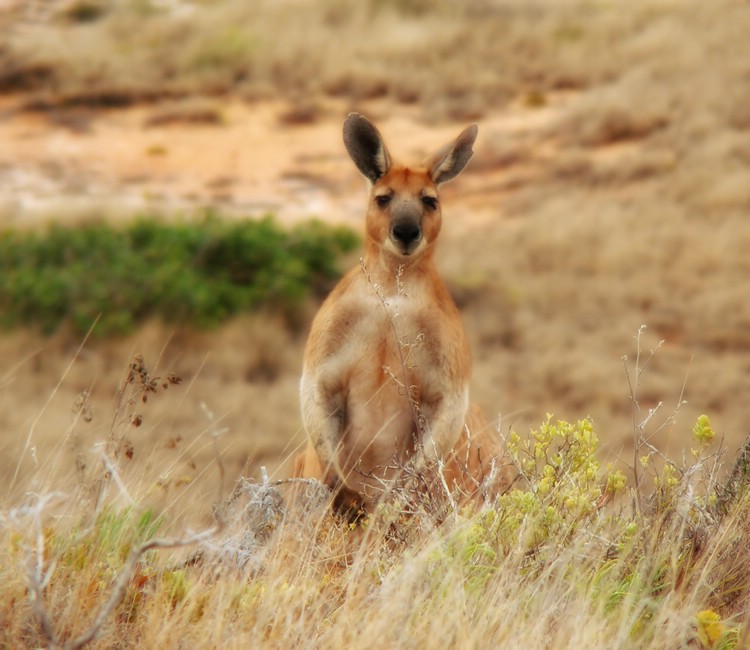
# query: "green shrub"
(199, 273)
(565, 488)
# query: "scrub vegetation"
(198, 273)
(573, 554)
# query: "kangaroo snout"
(406, 233)
(406, 230)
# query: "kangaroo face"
(403, 215)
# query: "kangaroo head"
(403, 214)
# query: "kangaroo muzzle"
(406, 228)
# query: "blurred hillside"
(610, 189)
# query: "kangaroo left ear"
(449, 161)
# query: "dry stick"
(123, 579)
(671, 418)
(636, 477)
(40, 612)
(646, 441)
(292, 480)
(126, 575)
(391, 319)
(27, 443)
(36, 575)
(215, 434)
(639, 437)
(638, 427)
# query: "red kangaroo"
(385, 382)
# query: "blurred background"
(160, 162)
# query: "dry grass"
(220, 391)
(554, 302)
(293, 49)
(85, 568)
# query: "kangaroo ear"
(366, 147)
(449, 161)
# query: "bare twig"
(215, 434)
(115, 475)
(639, 425)
(635, 407)
(121, 584)
(37, 576)
(400, 343)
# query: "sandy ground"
(67, 163)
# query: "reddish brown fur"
(385, 327)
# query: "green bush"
(199, 273)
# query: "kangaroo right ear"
(366, 147)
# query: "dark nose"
(406, 232)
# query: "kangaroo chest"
(392, 349)
(389, 375)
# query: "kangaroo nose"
(406, 232)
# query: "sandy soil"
(244, 160)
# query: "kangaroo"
(386, 370)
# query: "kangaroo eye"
(430, 202)
(383, 200)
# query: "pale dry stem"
(32, 428)
(402, 343)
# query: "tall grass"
(559, 561)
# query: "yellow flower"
(702, 430)
(710, 627)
